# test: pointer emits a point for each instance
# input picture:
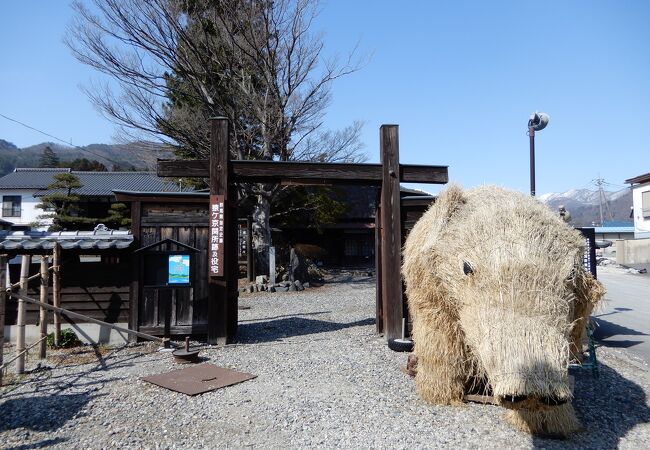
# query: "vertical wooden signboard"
(222, 257)
(217, 217)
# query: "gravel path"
(325, 380)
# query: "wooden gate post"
(20, 321)
(3, 301)
(56, 291)
(222, 302)
(42, 317)
(391, 233)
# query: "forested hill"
(136, 155)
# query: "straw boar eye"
(467, 268)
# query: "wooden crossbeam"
(304, 172)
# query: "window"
(11, 205)
(645, 204)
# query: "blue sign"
(179, 269)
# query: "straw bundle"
(497, 293)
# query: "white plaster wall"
(641, 224)
(29, 213)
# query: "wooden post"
(56, 291)
(3, 301)
(250, 268)
(222, 302)
(134, 291)
(20, 322)
(42, 316)
(391, 243)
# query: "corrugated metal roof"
(639, 179)
(614, 229)
(69, 240)
(94, 183)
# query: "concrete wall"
(641, 224)
(88, 333)
(635, 251)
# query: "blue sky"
(460, 78)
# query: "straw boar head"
(489, 276)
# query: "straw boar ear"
(451, 201)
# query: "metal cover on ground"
(199, 379)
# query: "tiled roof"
(29, 178)
(94, 183)
(69, 240)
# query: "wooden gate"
(224, 174)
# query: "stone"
(297, 266)
(281, 288)
(261, 279)
(299, 286)
(306, 285)
(271, 288)
(292, 287)
(250, 289)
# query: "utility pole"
(602, 198)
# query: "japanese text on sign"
(216, 235)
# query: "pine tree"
(62, 205)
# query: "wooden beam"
(305, 172)
(391, 234)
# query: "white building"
(641, 200)
(22, 189)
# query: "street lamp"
(537, 122)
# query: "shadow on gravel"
(273, 330)
(608, 407)
(42, 444)
(42, 412)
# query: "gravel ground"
(324, 380)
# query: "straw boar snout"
(490, 278)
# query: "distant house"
(21, 191)
(641, 200)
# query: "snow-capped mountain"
(584, 205)
(584, 196)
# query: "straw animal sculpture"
(499, 302)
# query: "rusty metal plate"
(199, 379)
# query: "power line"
(60, 140)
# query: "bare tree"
(179, 62)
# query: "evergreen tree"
(118, 216)
(49, 158)
(61, 205)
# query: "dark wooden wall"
(188, 224)
(98, 290)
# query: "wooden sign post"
(222, 262)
